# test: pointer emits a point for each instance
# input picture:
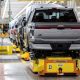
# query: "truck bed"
(56, 33)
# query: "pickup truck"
(54, 28)
(53, 40)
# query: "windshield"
(54, 15)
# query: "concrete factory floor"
(13, 68)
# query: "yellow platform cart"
(56, 66)
(25, 56)
(6, 46)
(6, 50)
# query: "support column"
(9, 12)
(77, 2)
(0, 8)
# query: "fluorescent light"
(23, 9)
(54, 2)
(51, 2)
(47, 2)
(5, 9)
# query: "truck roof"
(46, 6)
(38, 5)
(62, 8)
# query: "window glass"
(54, 15)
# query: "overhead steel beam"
(6, 3)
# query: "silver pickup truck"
(53, 28)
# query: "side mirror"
(16, 26)
(25, 23)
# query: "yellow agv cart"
(54, 62)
